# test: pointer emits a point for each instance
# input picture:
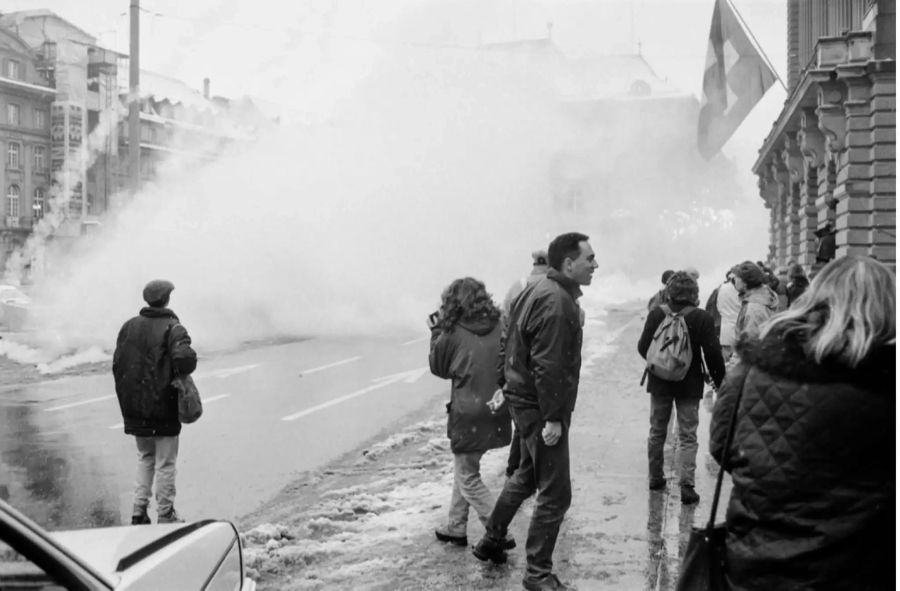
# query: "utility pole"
(134, 100)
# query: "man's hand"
(552, 432)
(497, 401)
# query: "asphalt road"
(270, 414)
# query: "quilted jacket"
(813, 468)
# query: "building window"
(13, 69)
(40, 119)
(12, 155)
(40, 158)
(12, 201)
(12, 114)
(37, 204)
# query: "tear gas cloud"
(428, 164)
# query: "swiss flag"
(736, 78)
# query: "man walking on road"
(540, 382)
(152, 348)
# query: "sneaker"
(140, 517)
(657, 483)
(688, 495)
(487, 549)
(549, 583)
(444, 536)
(170, 517)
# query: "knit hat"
(157, 290)
(682, 288)
(750, 273)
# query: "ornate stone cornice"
(810, 139)
(792, 157)
(831, 117)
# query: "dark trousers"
(544, 469)
(515, 453)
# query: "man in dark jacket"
(542, 361)
(682, 293)
(152, 348)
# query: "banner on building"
(736, 78)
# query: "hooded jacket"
(757, 306)
(467, 355)
(150, 348)
(541, 354)
(813, 468)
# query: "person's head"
(847, 312)
(539, 258)
(156, 293)
(682, 289)
(748, 276)
(572, 255)
(466, 299)
(665, 276)
(693, 272)
(796, 272)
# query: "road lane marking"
(306, 372)
(405, 376)
(74, 404)
(225, 372)
(203, 400)
(419, 340)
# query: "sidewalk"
(367, 521)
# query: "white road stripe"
(415, 341)
(116, 426)
(74, 404)
(225, 372)
(330, 365)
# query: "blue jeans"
(544, 469)
(156, 455)
(687, 411)
(468, 491)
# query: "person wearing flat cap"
(151, 350)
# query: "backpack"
(669, 356)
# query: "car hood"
(102, 548)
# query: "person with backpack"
(676, 339)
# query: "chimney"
(206, 88)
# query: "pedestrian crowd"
(804, 374)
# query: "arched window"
(37, 204)
(12, 201)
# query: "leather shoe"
(549, 583)
(446, 536)
(486, 549)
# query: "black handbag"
(189, 405)
(703, 565)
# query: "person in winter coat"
(660, 297)
(758, 301)
(728, 306)
(812, 462)
(797, 283)
(539, 376)
(151, 349)
(685, 395)
(465, 346)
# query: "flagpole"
(755, 42)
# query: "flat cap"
(157, 290)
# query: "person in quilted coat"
(812, 459)
(465, 348)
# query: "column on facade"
(833, 125)
(769, 193)
(812, 147)
(884, 165)
(793, 161)
(782, 179)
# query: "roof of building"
(21, 15)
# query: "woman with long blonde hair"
(812, 460)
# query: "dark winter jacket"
(796, 288)
(150, 348)
(467, 355)
(813, 467)
(541, 352)
(704, 341)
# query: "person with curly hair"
(465, 348)
(812, 462)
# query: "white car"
(204, 555)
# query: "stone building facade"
(827, 170)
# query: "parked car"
(14, 306)
(203, 555)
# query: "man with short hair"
(542, 361)
(151, 350)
